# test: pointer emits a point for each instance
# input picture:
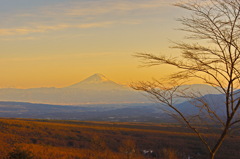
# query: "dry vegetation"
(49, 139)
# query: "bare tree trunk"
(212, 155)
(220, 141)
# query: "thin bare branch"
(216, 62)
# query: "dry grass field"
(56, 139)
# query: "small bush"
(19, 153)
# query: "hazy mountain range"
(135, 112)
(96, 89)
(95, 98)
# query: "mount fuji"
(96, 89)
(94, 98)
(99, 82)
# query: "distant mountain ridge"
(96, 89)
(201, 89)
(99, 98)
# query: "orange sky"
(58, 43)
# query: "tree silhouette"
(214, 59)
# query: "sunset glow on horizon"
(60, 42)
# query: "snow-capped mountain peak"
(97, 82)
(96, 78)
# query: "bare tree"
(214, 59)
